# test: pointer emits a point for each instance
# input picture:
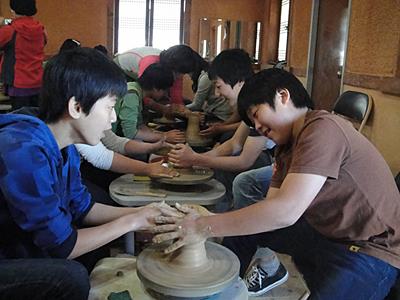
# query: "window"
(156, 23)
(283, 30)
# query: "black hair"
(24, 7)
(232, 66)
(82, 73)
(69, 44)
(156, 76)
(183, 59)
(263, 86)
(102, 49)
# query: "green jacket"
(129, 112)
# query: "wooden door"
(330, 46)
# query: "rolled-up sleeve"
(114, 142)
(99, 156)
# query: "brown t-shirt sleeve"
(320, 149)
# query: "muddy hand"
(185, 230)
(181, 156)
(157, 169)
(175, 136)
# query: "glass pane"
(132, 20)
(166, 24)
(258, 38)
(283, 30)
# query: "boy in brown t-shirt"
(332, 205)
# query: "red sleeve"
(147, 61)
(6, 34)
(176, 91)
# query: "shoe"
(259, 282)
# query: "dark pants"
(41, 279)
(330, 269)
(19, 102)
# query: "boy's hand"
(185, 229)
(156, 169)
(175, 136)
(145, 217)
(182, 156)
(212, 130)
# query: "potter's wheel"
(188, 176)
(163, 151)
(166, 121)
(182, 274)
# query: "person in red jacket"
(23, 42)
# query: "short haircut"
(24, 7)
(184, 60)
(232, 66)
(83, 73)
(263, 86)
(156, 76)
(69, 44)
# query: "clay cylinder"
(191, 256)
(193, 129)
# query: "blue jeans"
(38, 279)
(330, 269)
(251, 186)
(227, 179)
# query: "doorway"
(327, 51)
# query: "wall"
(373, 59)
(299, 35)
(383, 126)
(85, 21)
(373, 66)
(249, 10)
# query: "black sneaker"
(259, 282)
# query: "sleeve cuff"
(65, 248)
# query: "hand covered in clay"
(175, 136)
(145, 217)
(157, 169)
(162, 143)
(184, 228)
(181, 156)
(213, 129)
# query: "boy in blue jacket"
(45, 211)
